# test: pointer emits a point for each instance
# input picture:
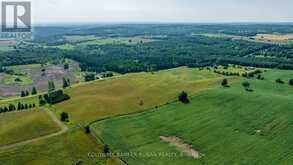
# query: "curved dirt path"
(63, 127)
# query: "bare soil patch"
(181, 146)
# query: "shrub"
(183, 97)
(279, 81)
(225, 83)
(246, 85)
(291, 82)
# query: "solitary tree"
(291, 82)
(87, 129)
(279, 81)
(22, 94)
(225, 83)
(66, 82)
(246, 85)
(34, 91)
(107, 151)
(66, 66)
(141, 103)
(64, 116)
(183, 97)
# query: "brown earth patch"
(181, 146)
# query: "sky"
(69, 11)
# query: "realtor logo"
(16, 16)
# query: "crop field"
(275, 37)
(133, 93)
(25, 125)
(24, 77)
(225, 125)
(67, 149)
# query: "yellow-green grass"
(67, 149)
(132, 93)
(226, 125)
(274, 37)
(25, 125)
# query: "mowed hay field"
(133, 93)
(226, 125)
(274, 37)
(20, 126)
(68, 149)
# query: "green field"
(67, 149)
(133, 93)
(25, 125)
(226, 125)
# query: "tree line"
(20, 107)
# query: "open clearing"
(228, 125)
(262, 38)
(274, 37)
(20, 126)
(133, 93)
(90, 40)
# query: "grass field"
(226, 125)
(25, 125)
(67, 149)
(274, 37)
(133, 93)
(16, 80)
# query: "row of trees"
(280, 81)
(19, 107)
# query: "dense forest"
(174, 45)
